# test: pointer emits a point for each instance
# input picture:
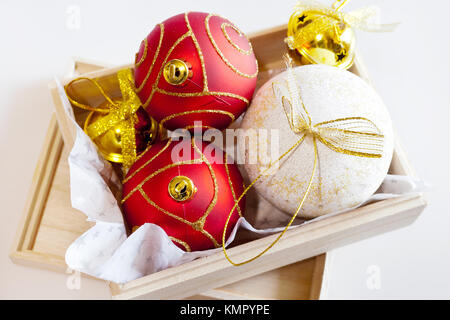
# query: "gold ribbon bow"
(365, 19)
(355, 136)
(118, 113)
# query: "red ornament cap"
(187, 189)
(195, 67)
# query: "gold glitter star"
(302, 18)
(340, 56)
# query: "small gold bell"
(181, 188)
(110, 143)
(176, 72)
(321, 38)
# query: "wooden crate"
(298, 244)
(49, 225)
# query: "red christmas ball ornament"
(185, 188)
(146, 130)
(195, 67)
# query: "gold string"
(245, 192)
(85, 106)
(339, 4)
(350, 142)
(120, 113)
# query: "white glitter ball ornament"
(341, 181)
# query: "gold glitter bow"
(119, 113)
(365, 19)
(354, 136)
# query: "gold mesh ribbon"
(119, 113)
(354, 136)
(365, 19)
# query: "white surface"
(409, 69)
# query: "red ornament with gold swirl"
(195, 67)
(189, 196)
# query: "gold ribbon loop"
(366, 19)
(119, 112)
(85, 106)
(354, 136)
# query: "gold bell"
(181, 188)
(110, 143)
(176, 72)
(321, 38)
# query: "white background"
(410, 69)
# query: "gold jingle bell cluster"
(324, 35)
(111, 125)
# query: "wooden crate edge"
(308, 241)
(43, 175)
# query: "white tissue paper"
(105, 251)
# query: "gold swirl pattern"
(172, 165)
(219, 52)
(205, 90)
(172, 116)
(196, 225)
(142, 153)
(202, 94)
(158, 77)
(196, 126)
(213, 176)
(231, 186)
(161, 36)
(199, 51)
(240, 33)
(147, 162)
(183, 243)
(144, 55)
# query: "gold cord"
(354, 136)
(120, 113)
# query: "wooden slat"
(49, 224)
(297, 244)
(39, 189)
(277, 284)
